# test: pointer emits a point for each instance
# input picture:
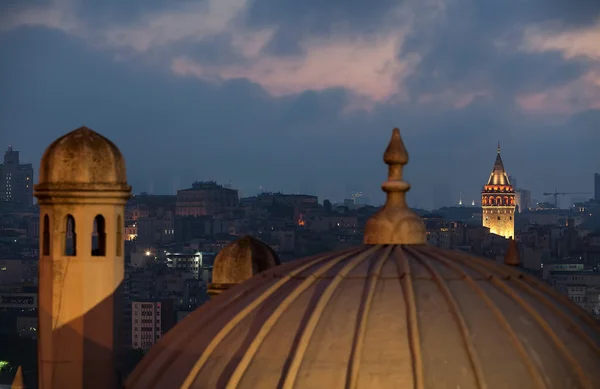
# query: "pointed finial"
(18, 382)
(512, 254)
(498, 147)
(395, 223)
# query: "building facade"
(498, 202)
(16, 180)
(205, 198)
(149, 321)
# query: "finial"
(512, 254)
(395, 223)
(498, 147)
(18, 382)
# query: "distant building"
(523, 199)
(205, 198)
(150, 320)
(597, 186)
(498, 201)
(16, 180)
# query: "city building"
(205, 198)
(150, 320)
(16, 180)
(498, 201)
(523, 199)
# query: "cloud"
(368, 68)
(577, 45)
(572, 43)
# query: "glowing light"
(148, 253)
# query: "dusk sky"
(302, 95)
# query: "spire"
(395, 223)
(498, 176)
(18, 382)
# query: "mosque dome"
(239, 261)
(82, 157)
(393, 313)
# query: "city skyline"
(295, 99)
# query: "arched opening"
(70, 237)
(99, 237)
(46, 236)
(492, 201)
(119, 236)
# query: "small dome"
(380, 316)
(240, 261)
(82, 157)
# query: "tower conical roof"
(498, 176)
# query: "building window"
(119, 235)
(498, 217)
(99, 237)
(70, 237)
(46, 236)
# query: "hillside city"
(171, 242)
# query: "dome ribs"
(406, 281)
(537, 317)
(292, 374)
(456, 312)
(531, 367)
(328, 260)
(518, 279)
(363, 316)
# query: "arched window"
(70, 237)
(46, 236)
(492, 201)
(119, 235)
(99, 237)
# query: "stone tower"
(498, 202)
(82, 192)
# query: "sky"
(302, 95)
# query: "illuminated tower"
(82, 192)
(498, 201)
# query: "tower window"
(70, 237)
(46, 236)
(498, 217)
(119, 235)
(99, 237)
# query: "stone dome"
(392, 313)
(82, 157)
(380, 316)
(239, 261)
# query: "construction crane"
(555, 194)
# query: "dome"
(377, 316)
(381, 316)
(82, 157)
(239, 261)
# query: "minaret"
(82, 188)
(498, 201)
